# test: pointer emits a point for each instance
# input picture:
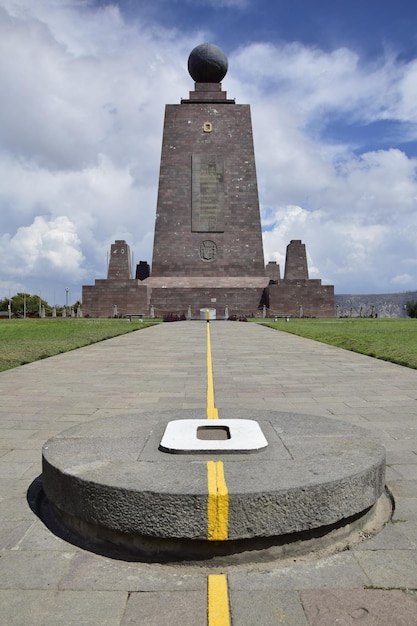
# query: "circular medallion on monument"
(207, 63)
(208, 250)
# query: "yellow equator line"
(217, 502)
(218, 496)
(212, 412)
(218, 613)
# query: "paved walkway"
(46, 581)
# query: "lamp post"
(66, 297)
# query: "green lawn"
(392, 340)
(26, 340)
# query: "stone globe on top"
(207, 63)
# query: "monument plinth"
(313, 487)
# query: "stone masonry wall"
(100, 299)
(239, 301)
(298, 298)
(203, 140)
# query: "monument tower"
(208, 239)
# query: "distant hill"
(382, 305)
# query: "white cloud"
(357, 213)
(221, 4)
(45, 245)
(81, 120)
(103, 202)
(315, 83)
(402, 281)
(345, 251)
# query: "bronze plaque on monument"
(207, 193)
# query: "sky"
(333, 92)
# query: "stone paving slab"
(94, 572)
(389, 568)
(45, 580)
(370, 607)
(188, 608)
(325, 573)
(69, 608)
(267, 608)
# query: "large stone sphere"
(207, 63)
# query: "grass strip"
(389, 339)
(26, 340)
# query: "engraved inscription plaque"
(207, 199)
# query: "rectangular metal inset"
(182, 436)
(213, 433)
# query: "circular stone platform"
(108, 481)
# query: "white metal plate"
(180, 436)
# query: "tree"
(4, 304)
(19, 301)
(411, 308)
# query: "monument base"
(227, 295)
(187, 295)
(109, 482)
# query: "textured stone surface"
(313, 473)
(72, 608)
(239, 250)
(382, 567)
(266, 608)
(296, 261)
(371, 607)
(119, 262)
(188, 608)
(240, 301)
(339, 570)
(298, 298)
(100, 299)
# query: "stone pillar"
(296, 261)
(119, 263)
(272, 271)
